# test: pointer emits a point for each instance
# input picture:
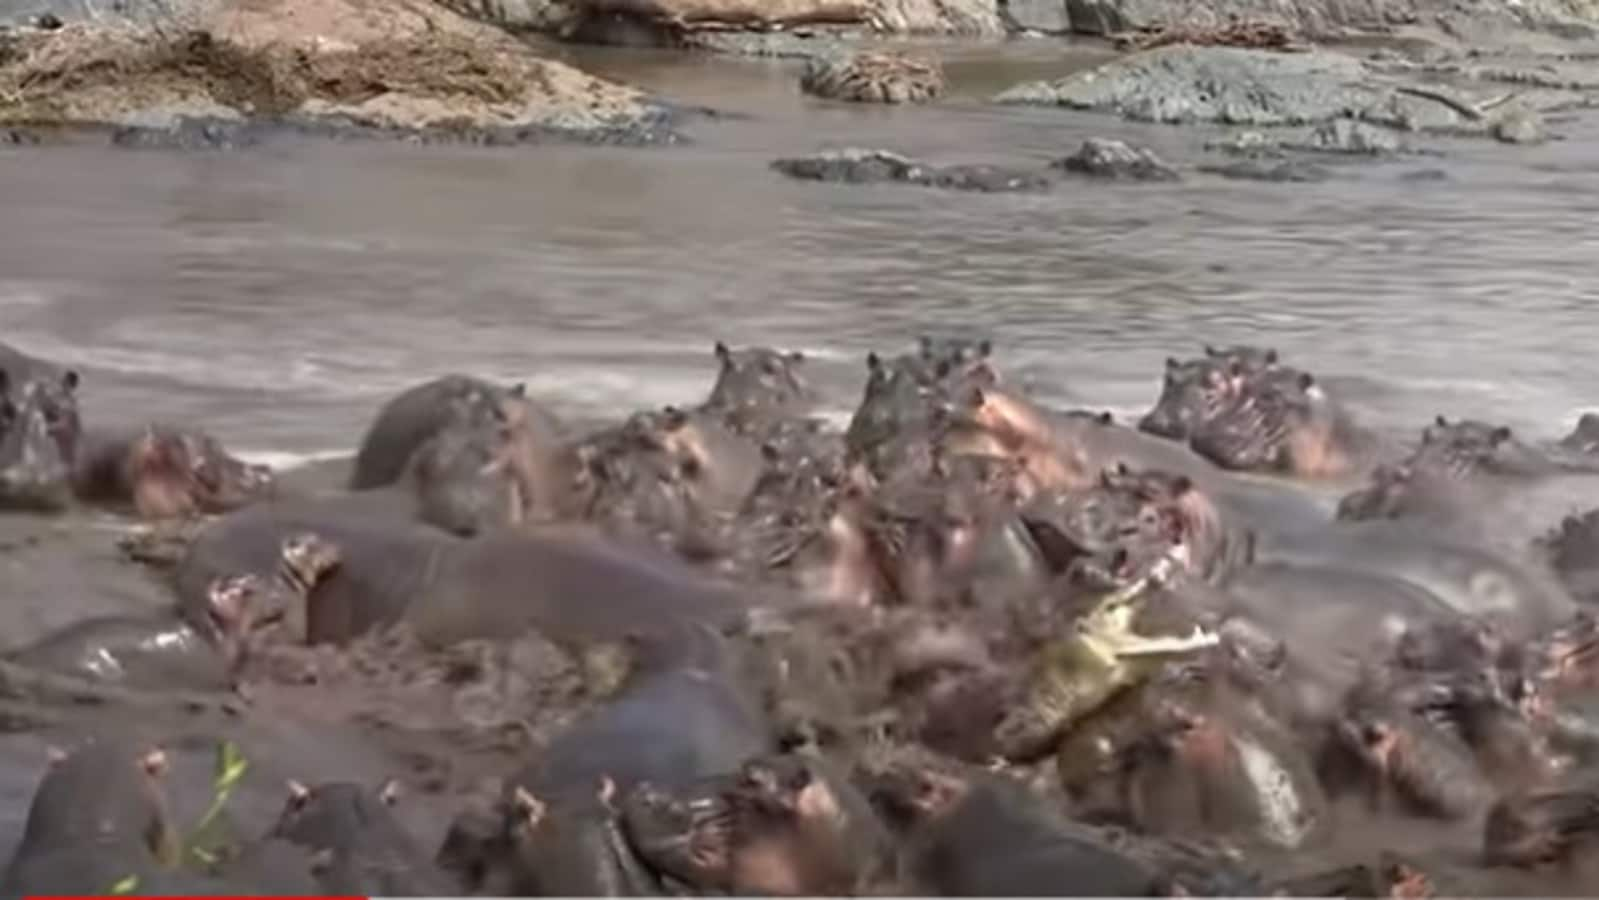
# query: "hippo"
(1399, 754)
(362, 849)
(151, 652)
(167, 472)
(903, 397)
(1459, 469)
(1476, 580)
(98, 817)
(410, 419)
(873, 77)
(783, 825)
(677, 717)
(1193, 391)
(56, 389)
(1584, 436)
(383, 556)
(469, 480)
(1572, 550)
(969, 833)
(35, 470)
(757, 388)
(1207, 763)
(1540, 827)
(1243, 410)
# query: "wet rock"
(367, 66)
(963, 18)
(1105, 158)
(1348, 136)
(763, 14)
(1229, 85)
(1046, 16)
(1286, 171)
(1319, 19)
(874, 78)
(517, 15)
(862, 166)
(1519, 126)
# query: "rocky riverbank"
(229, 73)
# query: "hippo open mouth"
(688, 837)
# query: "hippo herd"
(1245, 645)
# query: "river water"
(277, 295)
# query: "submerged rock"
(1234, 86)
(1259, 170)
(1106, 158)
(860, 166)
(379, 66)
(873, 78)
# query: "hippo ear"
(299, 794)
(1271, 356)
(1121, 467)
(69, 381)
(390, 792)
(1172, 363)
(321, 862)
(1181, 485)
(1499, 435)
(518, 390)
(5, 382)
(1105, 418)
(770, 453)
(985, 347)
(1211, 351)
(1441, 422)
(528, 807)
(873, 362)
(1306, 381)
(924, 346)
(796, 356)
(154, 762)
(722, 352)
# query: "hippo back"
(571, 586)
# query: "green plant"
(231, 767)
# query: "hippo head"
(333, 815)
(1584, 438)
(104, 790)
(909, 390)
(471, 481)
(779, 826)
(238, 608)
(175, 474)
(1261, 422)
(57, 401)
(1191, 393)
(686, 835)
(35, 472)
(756, 383)
(1468, 446)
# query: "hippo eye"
(689, 468)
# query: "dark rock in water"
(1106, 158)
(1230, 85)
(1285, 171)
(873, 78)
(189, 134)
(1349, 136)
(857, 166)
(1046, 16)
(1425, 175)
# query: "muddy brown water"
(277, 295)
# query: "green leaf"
(125, 886)
(231, 766)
